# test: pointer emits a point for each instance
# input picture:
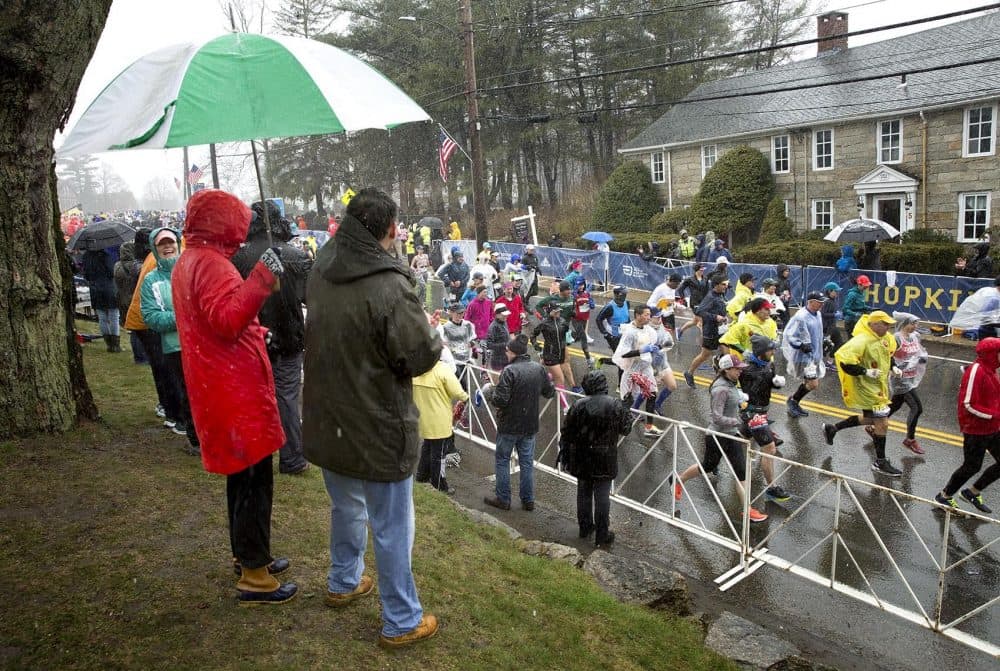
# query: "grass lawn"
(115, 555)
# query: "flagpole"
(184, 176)
(457, 144)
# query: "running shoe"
(160, 412)
(590, 340)
(885, 468)
(913, 446)
(947, 501)
(794, 409)
(870, 430)
(689, 378)
(652, 432)
(577, 390)
(477, 398)
(179, 428)
(976, 500)
(757, 516)
(776, 493)
(170, 423)
(829, 431)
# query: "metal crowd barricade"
(907, 572)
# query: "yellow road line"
(831, 411)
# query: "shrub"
(926, 235)
(792, 252)
(627, 242)
(627, 201)
(671, 221)
(777, 226)
(934, 258)
(734, 194)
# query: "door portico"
(884, 194)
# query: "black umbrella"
(431, 222)
(101, 235)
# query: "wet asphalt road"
(858, 634)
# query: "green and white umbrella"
(238, 87)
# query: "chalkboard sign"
(521, 231)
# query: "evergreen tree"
(777, 226)
(735, 193)
(627, 201)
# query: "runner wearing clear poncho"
(910, 358)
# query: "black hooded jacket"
(981, 264)
(589, 444)
(282, 311)
(367, 338)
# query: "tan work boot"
(258, 587)
(426, 629)
(335, 600)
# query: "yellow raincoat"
(743, 295)
(455, 233)
(869, 351)
(748, 325)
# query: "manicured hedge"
(933, 258)
(793, 252)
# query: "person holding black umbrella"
(99, 271)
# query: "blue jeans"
(525, 446)
(108, 321)
(388, 507)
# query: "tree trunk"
(44, 49)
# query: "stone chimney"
(832, 25)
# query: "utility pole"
(187, 168)
(215, 167)
(472, 104)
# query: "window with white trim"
(973, 215)
(890, 141)
(709, 154)
(823, 149)
(779, 154)
(656, 167)
(822, 214)
(980, 128)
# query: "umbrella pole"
(260, 185)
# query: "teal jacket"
(156, 300)
(855, 305)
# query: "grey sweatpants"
(287, 371)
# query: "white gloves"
(778, 382)
(873, 373)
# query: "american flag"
(446, 148)
(195, 174)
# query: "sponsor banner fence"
(932, 298)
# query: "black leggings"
(974, 449)
(912, 401)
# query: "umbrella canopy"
(431, 222)
(101, 235)
(597, 236)
(861, 230)
(238, 87)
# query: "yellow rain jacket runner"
(739, 333)
(743, 295)
(869, 351)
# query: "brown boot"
(258, 587)
(426, 629)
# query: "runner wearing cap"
(663, 298)
(583, 303)
(726, 399)
(496, 339)
(757, 382)
(512, 299)
(830, 314)
(666, 383)
(769, 292)
(864, 364)
(554, 330)
(712, 311)
(634, 356)
(611, 318)
(910, 358)
(802, 346)
(856, 303)
(743, 295)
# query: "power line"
(638, 14)
(735, 54)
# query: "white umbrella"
(861, 230)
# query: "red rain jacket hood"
(226, 368)
(979, 393)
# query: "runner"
(830, 315)
(725, 404)
(802, 346)
(582, 305)
(979, 419)
(634, 356)
(864, 364)
(691, 292)
(856, 303)
(910, 358)
(554, 330)
(755, 320)
(743, 295)
(712, 311)
(512, 299)
(611, 318)
(664, 374)
(459, 335)
(420, 267)
(757, 382)
(769, 292)
(663, 298)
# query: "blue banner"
(932, 298)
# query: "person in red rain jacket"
(230, 386)
(979, 419)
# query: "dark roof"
(972, 39)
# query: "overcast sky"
(137, 27)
